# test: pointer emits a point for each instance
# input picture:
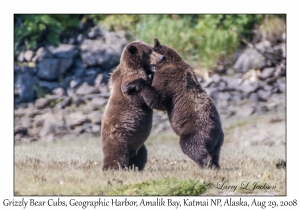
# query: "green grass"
(164, 186)
(74, 167)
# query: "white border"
(153, 6)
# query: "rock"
(75, 83)
(76, 119)
(220, 69)
(48, 86)
(40, 54)
(77, 101)
(90, 80)
(78, 66)
(18, 137)
(248, 87)
(35, 131)
(106, 76)
(277, 72)
(245, 110)
(96, 129)
(20, 112)
(72, 41)
(224, 96)
(267, 72)
(104, 89)
(20, 130)
(263, 108)
(28, 139)
(35, 113)
(253, 97)
(281, 84)
(95, 117)
(42, 103)
(207, 83)
(38, 121)
(223, 104)
(66, 102)
(71, 93)
(98, 103)
(79, 130)
(271, 80)
(263, 95)
(252, 75)
(282, 87)
(28, 55)
(98, 53)
(271, 106)
(86, 89)
(30, 69)
(234, 83)
(252, 59)
(213, 93)
(52, 98)
(216, 78)
(48, 138)
(60, 114)
(268, 88)
(283, 50)
(17, 70)
(116, 40)
(222, 86)
(236, 96)
(58, 91)
(87, 127)
(50, 127)
(21, 57)
(80, 38)
(160, 128)
(25, 88)
(96, 31)
(92, 71)
(52, 68)
(64, 51)
(26, 122)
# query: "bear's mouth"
(152, 68)
(150, 71)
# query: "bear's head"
(171, 56)
(139, 55)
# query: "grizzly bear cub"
(127, 120)
(192, 114)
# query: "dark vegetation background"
(201, 39)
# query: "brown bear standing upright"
(127, 120)
(192, 114)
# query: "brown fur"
(192, 114)
(127, 120)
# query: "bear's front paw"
(134, 86)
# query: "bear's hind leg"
(139, 160)
(216, 155)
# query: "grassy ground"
(253, 146)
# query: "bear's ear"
(132, 49)
(156, 43)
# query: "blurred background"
(62, 65)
